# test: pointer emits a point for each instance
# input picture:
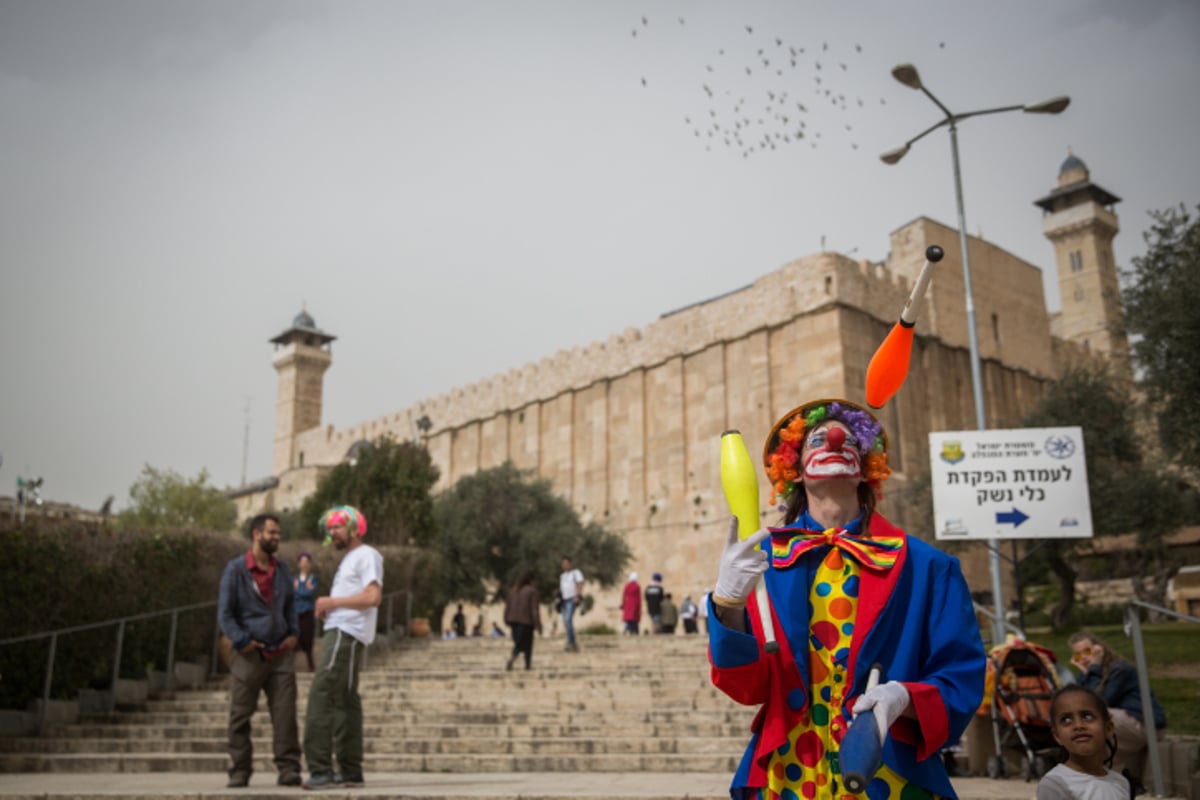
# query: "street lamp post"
(907, 74)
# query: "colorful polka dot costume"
(807, 766)
(844, 599)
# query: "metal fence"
(388, 618)
(1133, 629)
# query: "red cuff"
(929, 731)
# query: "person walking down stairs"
(570, 589)
(523, 615)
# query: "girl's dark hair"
(1075, 688)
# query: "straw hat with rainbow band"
(349, 516)
(781, 453)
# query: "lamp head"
(1055, 105)
(894, 155)
(907, 74)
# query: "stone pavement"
(426, 786)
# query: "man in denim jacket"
(257, 611)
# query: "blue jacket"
(916, 620)
(306, 598)
(1121, 690)
(242, 612)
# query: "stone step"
(488, 715)
(217, 763)
(470, 698)
(404, 744)
(448, 707)
(725, 726)
(380, 786)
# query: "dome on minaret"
(1073, 170)
(304, 329)
(304, 320)
(1073, 162)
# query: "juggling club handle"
(861, 751)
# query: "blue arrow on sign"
(1015, 517)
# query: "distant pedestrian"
(631, 604)
(687, 613)
(333, 724)
(670, 615)
(523, 615)
(257, 611)
(703, 611)
(459, 623)
(305, 585)
(654, 598)
(570, 588)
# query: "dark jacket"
(522, 607)
(654, 598)
(243, 613)
(1121, 690)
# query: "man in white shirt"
(570, 588)
(334, 721)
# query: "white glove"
(887, 701)
(741, 565)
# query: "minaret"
(1080, 221)
(302, 354)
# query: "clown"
(848, 590)
(333, 726)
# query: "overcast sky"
(455, 189)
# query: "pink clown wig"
(350, 516)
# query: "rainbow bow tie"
(875, 552)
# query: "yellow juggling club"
(739, 480)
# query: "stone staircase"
(622, 705)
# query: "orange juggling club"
(889, 365)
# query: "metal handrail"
(116, 674)
(120, 622)
(1008, 626)
(1133, 629)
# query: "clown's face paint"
(831, 453)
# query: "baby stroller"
(1023, 677)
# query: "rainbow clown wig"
(349, 516)
(781, 454)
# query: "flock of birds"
(764, 93)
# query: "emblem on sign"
(952, 451)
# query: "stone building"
(628, 429)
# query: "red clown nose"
(836, 438)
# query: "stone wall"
(628, 429)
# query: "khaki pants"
(1131, 742)
(277, 677)
(333, 724)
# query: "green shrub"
(66, 574)
(598, 629)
